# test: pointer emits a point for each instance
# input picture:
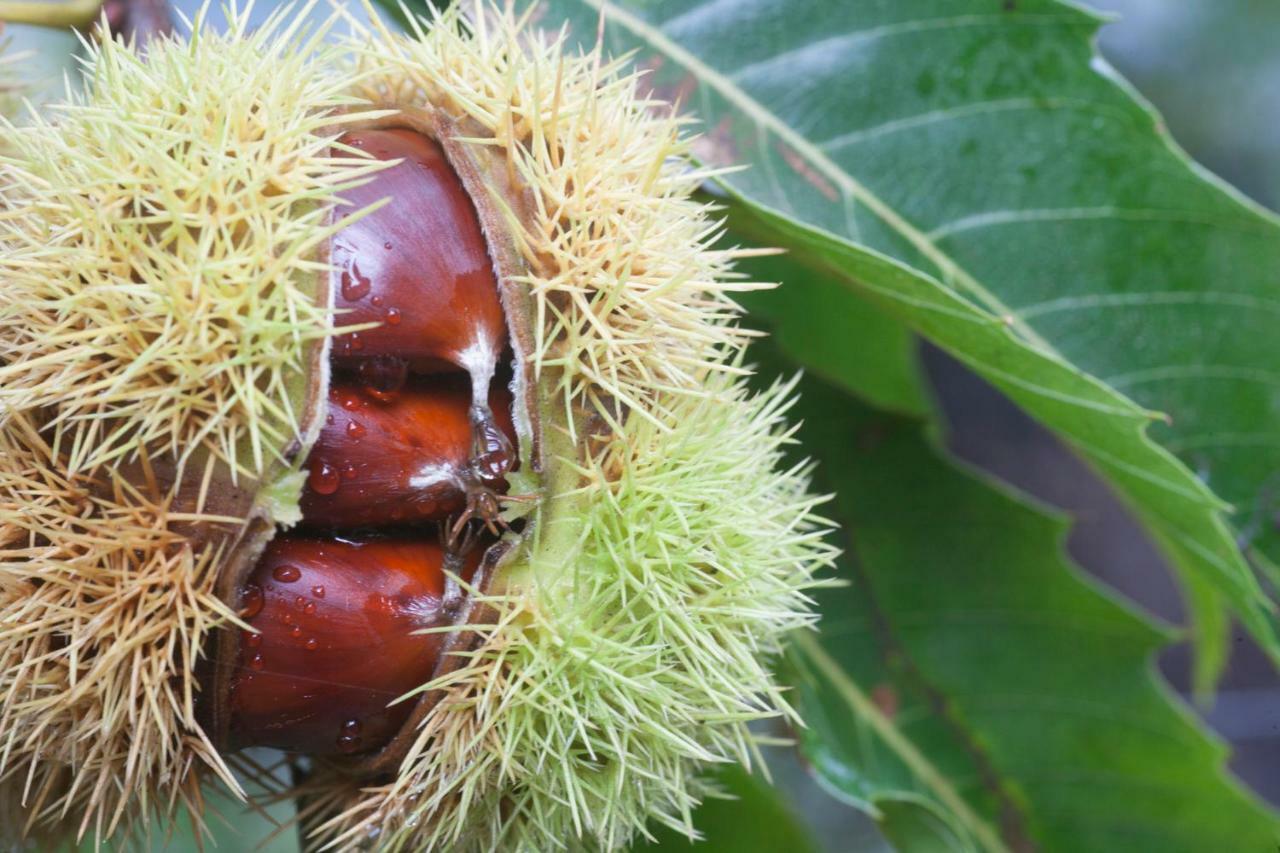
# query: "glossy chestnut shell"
(349, 614)
(418, 265)
(405, 458)
(336, 640)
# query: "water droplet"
(354, 285)
(377, 301)
(491, 453)
(296, 632)
(349, 471)
(354, 342)
(317, 591)
(312, 644)
(299, 601)
(348, 744)
(250, 601)
(324, 480)
(387, 245)
(256, 661)
(329, 420)
(309, 608)
(351, 402)
(393, 316)
(383, 377)
(286, 574)
(287, 618)
(251, 640)
(352, 728)
(355, 430)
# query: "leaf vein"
(1144, 299)
(960, 111)
(1170, 372)
(996, 218)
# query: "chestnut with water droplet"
(413, 447)
(420, 268)
(413, 458)
(313, 663)
(382, 376)
(422, 257)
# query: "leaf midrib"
(915, 760)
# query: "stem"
(59, 15)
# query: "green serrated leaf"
(985, 144)
(968, 667)
(1107, 428)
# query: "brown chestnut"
(336, 641)
(382, 461)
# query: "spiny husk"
(165, 220)
(160, 272)
(628, 638)
(104, 611)
(621, 646)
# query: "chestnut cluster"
(403, 484)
